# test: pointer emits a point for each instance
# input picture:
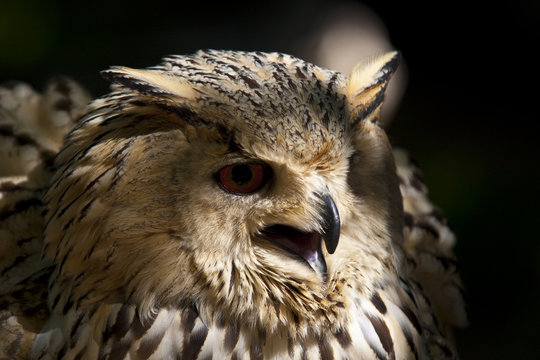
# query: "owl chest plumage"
(183, 334)
(384, 325)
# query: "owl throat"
(259, 299)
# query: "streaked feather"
(132, 275)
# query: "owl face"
(224, 177)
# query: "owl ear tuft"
(155, 83)
(367, 84)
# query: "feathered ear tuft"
(367, 84)
(155, 83)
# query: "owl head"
(254, 183)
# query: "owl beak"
(308, 245)
(331, 226)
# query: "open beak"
(308, 245)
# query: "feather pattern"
(32, 127)
(148, 258)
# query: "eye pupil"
(244, 178)
(241, 174)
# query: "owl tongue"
(305, 244)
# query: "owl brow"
(185, 113)
(234, 146)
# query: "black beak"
(331, 226)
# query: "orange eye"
(243, 178)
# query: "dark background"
(468, 114)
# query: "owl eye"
(244, 178)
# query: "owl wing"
(428, 243)
(32, 128)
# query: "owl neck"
(267, 303)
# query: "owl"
(221, 205)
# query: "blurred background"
(464, 105)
